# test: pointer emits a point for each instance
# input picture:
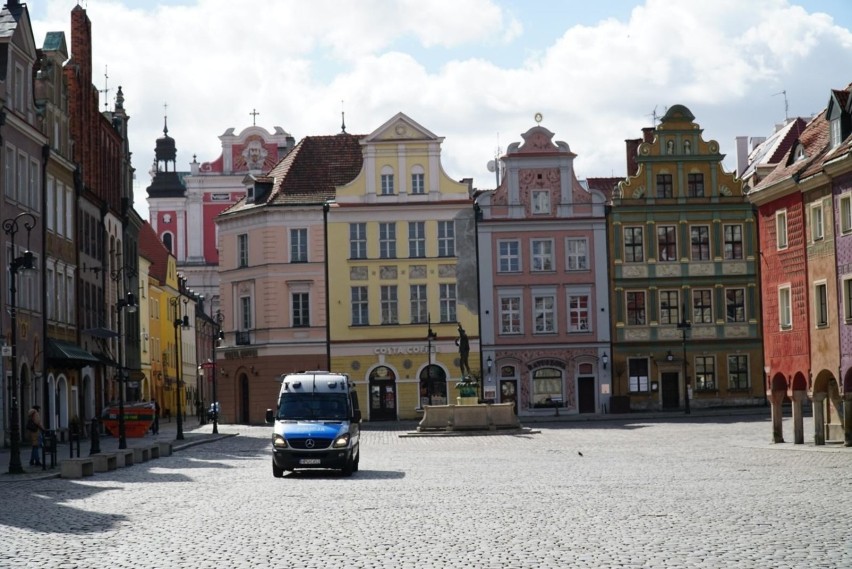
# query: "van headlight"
(341, 442)
(278, 441)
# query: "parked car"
(213, 411)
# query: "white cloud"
(445, 64)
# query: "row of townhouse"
(800, 180)
(359, 254)
(95, 309)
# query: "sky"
(474, 72)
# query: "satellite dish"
(492, 166)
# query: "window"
(578, 313)
(387, 181)
(418, 180)
(705, 373)
(821, 304)
(10, 172)
(817, 226)
(547, 388)
(847, 300)
(245, 313)
(22, 178)
(242, 250)
(637, 375)
(664, 186)
(301, 310)
(785, 308)
(360, 306)
(510, 257)
(419, 313)
(700, 242)
(541, 202)
(835, 132)
(669, 307)
(510, 315)
(735, 304)
(60, 208)
(544, 312)
(695, 185)
(390, 314)
(667, 243)
(51, 211)
(446, 239)
(416, 239)
(702, 306)
(738, 372)
(846, 214)
(447, 299)
(299, 245)
(781, 229)
(633, 249)
(542, 254)
(357, 240)
(387, 240)
(635, 308)
(733, 242)
(577, 253)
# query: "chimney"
(632, 150)
(648, 134)
(742, 154)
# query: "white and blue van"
(316, 423)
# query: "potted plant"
(468, 390)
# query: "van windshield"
(316, 406)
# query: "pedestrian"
(155, 428)
(34, 428)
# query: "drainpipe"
(325, 208)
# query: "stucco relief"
(734, 268)
(702, 332)
(668, 270)
(701, 269)
(417, 271)
(637, 334)
(446, 271)
(358, 273)
(634, 272)
(668, 333)
(734, 331)
(387, 272)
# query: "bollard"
(95, 436)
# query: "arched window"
(433, 385)
(418, 179)
(387, 181)
(167, 241)
(547, 388)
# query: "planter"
(467, 400)
(478, 416)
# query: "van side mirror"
(270, 418)
(356, 415)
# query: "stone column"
(819, 418)
(847, 420)
(775, 400)
(798, 417)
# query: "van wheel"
(277, 472)
(348, 468)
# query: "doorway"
(586, 394)
(670, 390)
(244, 399)
(382, 394)
(509, 393)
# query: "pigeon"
(578, 452)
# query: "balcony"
(243, 338)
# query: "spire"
(342, 119)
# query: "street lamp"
(128, 302)
(217, 337)
(23, 262)
(179, 322)
(431, 336)
(684, 327)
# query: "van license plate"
(309, 461)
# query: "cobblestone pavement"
(687, 492)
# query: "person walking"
(35, 428)
(155, 427)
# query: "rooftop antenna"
(654, 116)
(342, 118)
(106, 89)
(495, 165)
(786, 106)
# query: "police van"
(316, 423)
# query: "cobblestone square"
(682, 492)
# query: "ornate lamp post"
(684, 326)
(129, 303)
(23, 262)
(217, 337)
(179, 322)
